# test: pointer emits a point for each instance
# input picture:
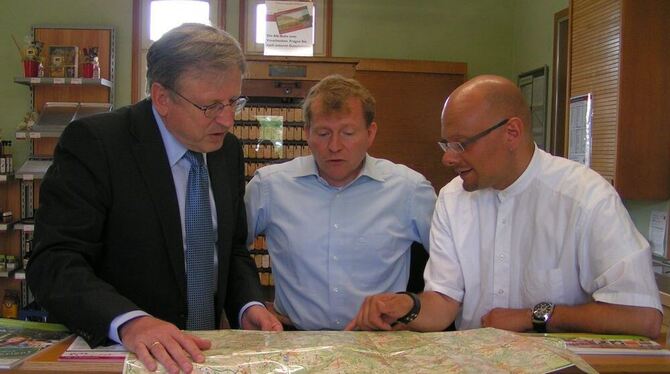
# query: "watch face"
(542, 311)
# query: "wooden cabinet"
(619, 52)
(410, 96)
(82, 96)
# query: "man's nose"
(335, 143)
(226, 117)
(450, 158)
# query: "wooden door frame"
(557, 142)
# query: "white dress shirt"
(559, 233)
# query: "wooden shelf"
(38, 134)
(25, 227)
(33, 169)
(6, 226)
(64, 81)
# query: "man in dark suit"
(111, 254)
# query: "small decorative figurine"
(30, 56)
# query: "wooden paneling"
(619, 52)
(44, 146)
(409, 106)
(315, 69)
(594, 68)
(644, 128)
(412, 66)
(276, 88)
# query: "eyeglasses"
(213, 110)
(459, 147)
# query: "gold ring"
(154, 344)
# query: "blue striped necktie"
(200, 239)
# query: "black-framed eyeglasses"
(213, 110)
(459, 147)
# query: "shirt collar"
(307, 167)
(521, 183)
(175, 150)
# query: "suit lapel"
(219, 169)
(151, 157)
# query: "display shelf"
(20, 274)
(33, 169)
(38, 134)
(6, 226)
(48, 95)
(7, 273)
(66, 81)
(25, 226)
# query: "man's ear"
(372, 133)
(514, 132)
(160, 96)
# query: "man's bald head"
(489, 96)
(487, 122)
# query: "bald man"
(522, 240)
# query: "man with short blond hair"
(339, 224)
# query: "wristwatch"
(541, 316)
(414, 312)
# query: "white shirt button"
(334, 258)
(336, 226)
(500, 291)
(335, 289)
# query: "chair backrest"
(417, 265)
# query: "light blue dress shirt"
(180, 168)
(332, 246)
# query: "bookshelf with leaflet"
(260, 150)
(409, 97)
(57, 100)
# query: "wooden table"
(47, 361)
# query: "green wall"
(17, 17)
(534, 33)
(504, 37)
(640, 212)
(477, 32)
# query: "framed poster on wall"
(533, 85)
(579, 129)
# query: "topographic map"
(472, 351)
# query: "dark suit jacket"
(108, 233)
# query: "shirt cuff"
(117, 322)
(244, 309)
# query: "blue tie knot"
(195, 158)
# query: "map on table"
(472, 351)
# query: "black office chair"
(415, 284)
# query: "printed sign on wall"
(289, 28)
